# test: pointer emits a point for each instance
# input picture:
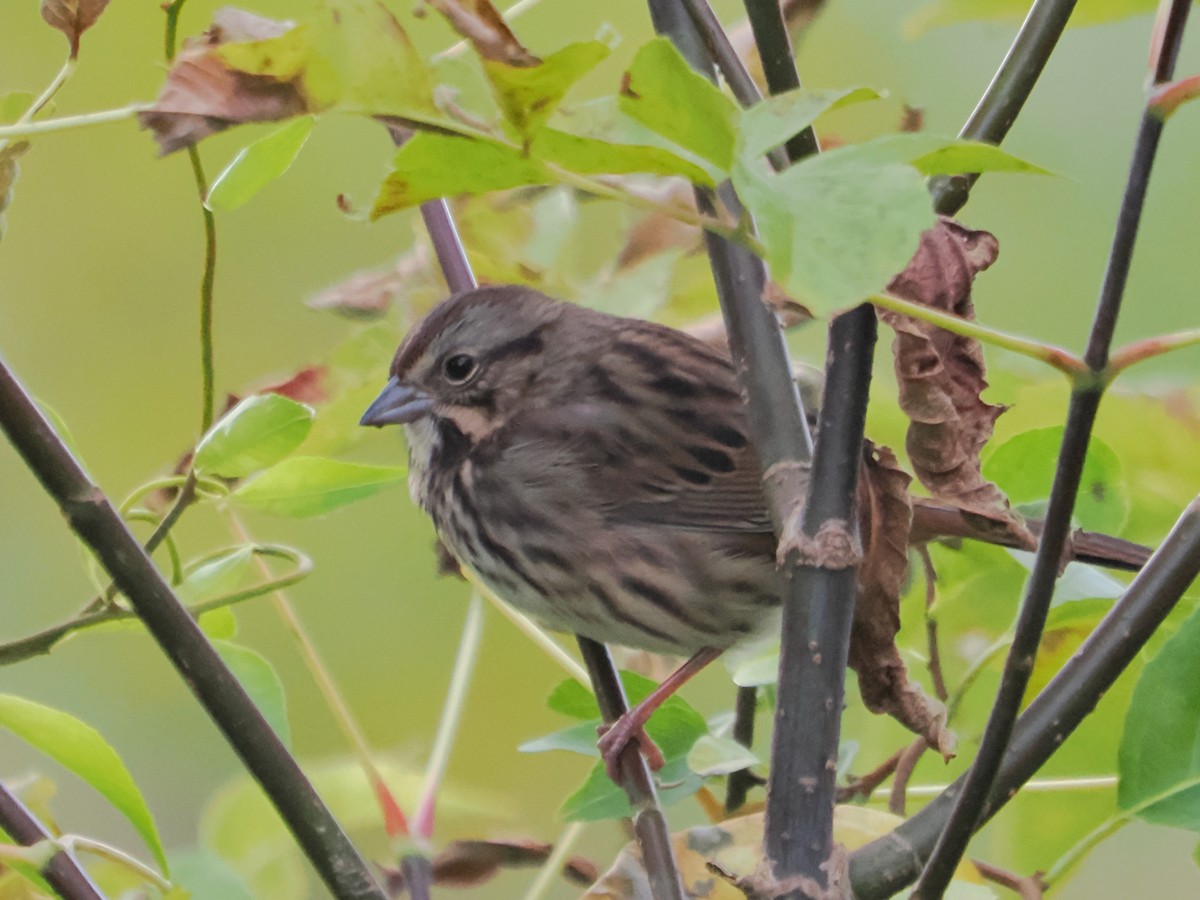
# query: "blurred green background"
(99, 270)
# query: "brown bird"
(596, 472)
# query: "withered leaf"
(481, 24)
(885, 518)
(204, 94)
(942, 375)
(72, 18)
(468, 863)
(308, 385)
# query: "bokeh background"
(99, 271)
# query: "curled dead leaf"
(942, 375)
(72, 18)
(885, 520)
(481, 24)
(469, 863)
(203, 94)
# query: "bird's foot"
(620, 734)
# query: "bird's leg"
(616, 736)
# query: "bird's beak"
(397, 404)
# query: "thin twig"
(1006, 95)
(742, 780)
(779, 65)
(1027, 887)
(649, 824)
(886, 865)
(931, 626)
(1081, 414)
(864, 786)
(909, 757)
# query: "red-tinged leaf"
(481, 24)
(942, 375)
(467, 863)
(1166, 98)
(885, 519)
(309, 385)
(72, 18)
(204, 94)
(362, 295)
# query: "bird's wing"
(666, 443)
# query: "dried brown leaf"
(885, 518)
(481, 24)
(942, 375)
(309, 385)
(469, 863)
(72, 18)
(204, 95)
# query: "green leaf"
(258, 165)
(219, 624)
(713, 755)
(598, 798)
(529, 95)
(13, 105)
(836, 229)
(573, 699)
(933, 154)
(434, 165)
(222, 574)
(579, 739)
(354, 56)
(208, 877)
(1023, 467)
(255, 434)
(590, 156)
(78, 747)
(310, 486)
(1158, 764)
(777, 119)
(261, 682)
(664, 93)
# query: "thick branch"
(816, 630)
(62, 872)
(97, 523)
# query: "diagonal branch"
(886, 865)
(62, 872)
(93, 518)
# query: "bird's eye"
(459, 367)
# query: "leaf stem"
(1066, 362)
(452, 710)
(65, 123)
(1076, 853)
(1140, 351)
(393, 817)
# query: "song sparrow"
(597, 472)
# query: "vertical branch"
(649, 824)
(779, 65)
(62, 872)
(742, 780)
(816, 630)
(1085, 401)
